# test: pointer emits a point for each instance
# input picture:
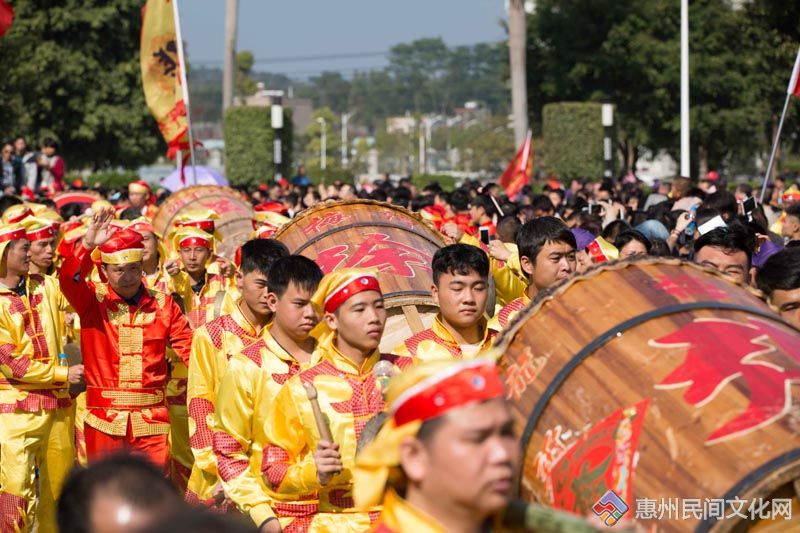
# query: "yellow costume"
(437, 342)
(201, 303)
(249, 466)
(348, 395)
(35, 415)
(501, 319)
(426, 392)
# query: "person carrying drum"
(316, 438)
(247, 393)
(446, 458)
(460, 289)
(238, 330)
(547, 256)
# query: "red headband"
(194, 241)
(25, 213)
(205, 225)
(462, 385)
(39, 234)
(345, 292)
(13, 235)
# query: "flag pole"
(184, 86)
(775, 145)
(791, 90)
(685, 146)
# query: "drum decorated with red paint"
(659, 392)
(367, 234)
(235, 223)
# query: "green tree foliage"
(313, 143)
(249, 146)
(245, 84)
(573, 139)
(71, 71)
(629, 51)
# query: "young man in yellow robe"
(213, 345)
(347, 381)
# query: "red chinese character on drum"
(721, 352)
(377, 251)
(320, 223)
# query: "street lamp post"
(345, 119)
(607, 112)
(322, 147)
(277, 125)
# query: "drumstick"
(322, 426)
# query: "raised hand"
(98, 232)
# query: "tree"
(313, 144)
(71, 71)
(628, 51)
(245, 85)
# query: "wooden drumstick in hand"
(322, 426)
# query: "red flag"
(794, 82)
(6, 16)
(518, 172)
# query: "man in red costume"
(126, 328)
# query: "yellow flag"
(161, 76)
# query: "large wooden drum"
(368, 234)
(235, 214)
(665, 383)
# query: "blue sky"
(292, 29)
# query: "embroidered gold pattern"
(117, 427)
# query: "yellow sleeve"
(200, 398)
(401, 349)
(235, 419)
(509, 281)
(16, 354)
(180, 284)
(286, 433)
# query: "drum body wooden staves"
(662, 382)
(235, 222)
(367, 234)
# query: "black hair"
(459, 200)
(745, 188)
(704, 214)
(780, 272)
(200, 520)
(459, 259)
(724, 202)
(296, 269)
(49, 142)
(486, 203)
(507, 228)
(632, 235)
(401, 196)
(258, 255)
(379, 195)
(613, 230)
(8, 201)
(421, 202)
(130, 213)
(730, 238)
(541, 202)
(72, 209)
(534, 234)
(660, 248)
(131, 477)
(793, 210)
(428, 429)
